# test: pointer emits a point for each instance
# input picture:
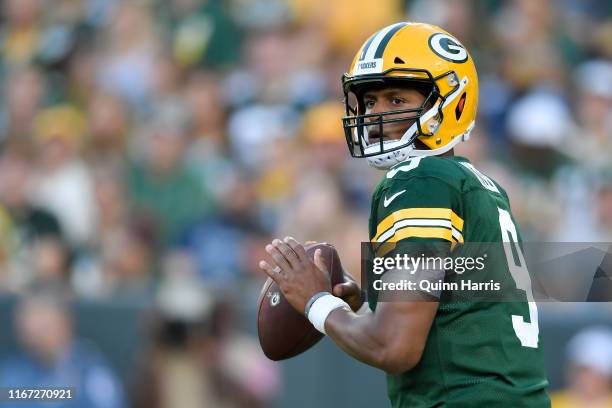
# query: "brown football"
(283, 332)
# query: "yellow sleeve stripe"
(408, 213)
(419, 222)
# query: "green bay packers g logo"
(448, 48)
(274, 298)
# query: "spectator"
(589, 371)
(203, 33)
(108, 131)
(22, 33)
(232, 230)
(63, 183)
(593, 105)
(51, 356)
(26, 222)
(127, 66)
(24, 94)
(196, 359)
(159, 182)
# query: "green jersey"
(477, 354)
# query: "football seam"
(259, 306)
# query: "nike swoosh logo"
(387, 201)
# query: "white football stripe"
(377, 40)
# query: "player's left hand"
(298, 277)
(350, 292)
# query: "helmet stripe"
(387, 38)
(365, 47)
(378, 39)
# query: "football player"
(411, 95)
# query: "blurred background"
(149, 149)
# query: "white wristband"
(322, 307)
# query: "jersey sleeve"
(422, 209)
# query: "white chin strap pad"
(385, 160)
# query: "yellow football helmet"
(419, 55)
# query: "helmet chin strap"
(435, 152)
(385, 160)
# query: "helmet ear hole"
(398, 60)
(460, 106)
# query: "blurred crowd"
(151, 147)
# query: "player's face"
(391, 99)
